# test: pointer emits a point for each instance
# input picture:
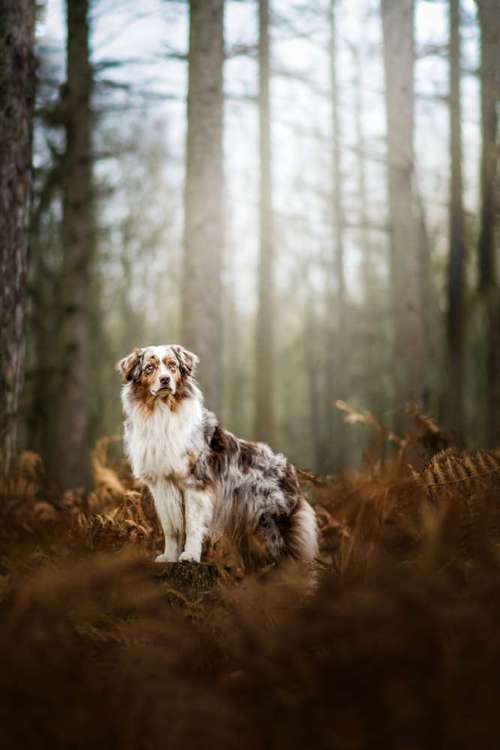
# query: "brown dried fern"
(452, 468)
(470, 481)
(367, 418)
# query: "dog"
(205, 482)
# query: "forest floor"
(397, 646)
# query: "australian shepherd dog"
(206, 482)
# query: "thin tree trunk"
(409, 347)
(201, 297)
(17, 89)
(455, 318)
(321, 456)
(429, 305)
(45, 255)
(490, 60)
(78, 234)
(44, 316)
(370, 324)
(359, 115)
(235, 401)
(489, 20)
(265, 345)
(337, 360)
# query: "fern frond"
(450, 467)
(351, 416)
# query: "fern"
(450, 468)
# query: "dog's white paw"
(188, 557)
(165, 558)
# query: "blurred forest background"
(304, 193)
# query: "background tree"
(489, 20)
(337, 318)
(456, 262)
(201, 296)
(17, 71)
(265, 344)
(409, 354)
(359, 116)
(78, 238)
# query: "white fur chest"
(157, 444)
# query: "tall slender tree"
(265, 345)
(337, 360)
(489, 21)
(359, 115)
(315, 383)
(201, 295)
(370, 325)
(409, 347)
(455, 313)
(17, 28)
(78, 236)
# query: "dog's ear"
(187, 360)
(130, 366)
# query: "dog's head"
(158, 372)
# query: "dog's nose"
(164, 380)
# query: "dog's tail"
(301, 538)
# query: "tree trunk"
(45, 362)
(265, 344)
(321, 454)
(337, 359)
(409, 348)
(455, 317)
(371, 327)
(234, 384)
(430, 310)
(334, 455)
(201, 297)
(489, 20)
(17, 27)
(78, 234)
(490, 60)
(359, 115)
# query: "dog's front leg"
(168, 504)
(198, 509)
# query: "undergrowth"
(397, 646)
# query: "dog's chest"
(159, 446)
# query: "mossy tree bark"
(17, 79)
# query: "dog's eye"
(171, 366)
(148, 369)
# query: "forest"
(307, 196)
